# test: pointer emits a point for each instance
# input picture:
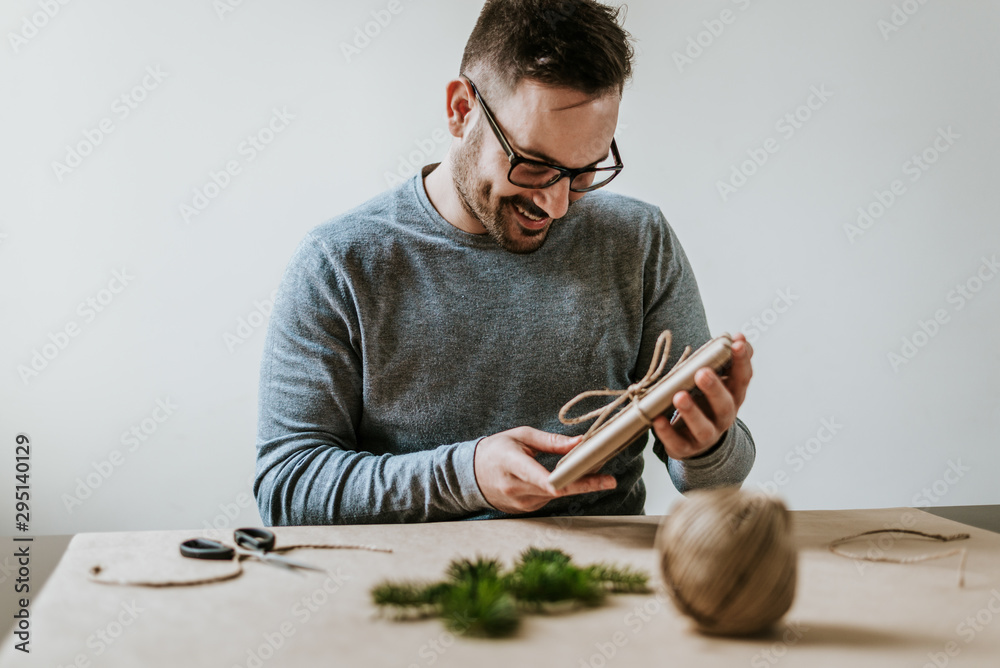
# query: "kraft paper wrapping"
(845, 612)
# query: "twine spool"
(728, 560)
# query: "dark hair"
(573, 43)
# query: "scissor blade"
(267, 559)
(290, 563)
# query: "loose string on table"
(97, 569)
(834, 547)
(635, 391)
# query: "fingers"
(587, 484)
(721, 403)
(677, 439)
(530, 494)
(528, 470)
(525, 495)
(698, 423)
(741, 338)
(699, 426)
(544, 441)
(742, 370)
(511, 478)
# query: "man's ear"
(458, 96)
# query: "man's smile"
(528, 221)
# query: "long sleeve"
(311, 468)
(672, 301)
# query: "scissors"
(254, 543)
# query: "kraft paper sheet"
(845, 612)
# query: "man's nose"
(554, 200)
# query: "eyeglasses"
(527, 173)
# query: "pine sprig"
(620, 580)
(480, 599)
(544, 579)
(552, 556)
(481, 607)
(467, 570)
(477, 603)
(410, 599)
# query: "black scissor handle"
(203, 548)
(258, 540)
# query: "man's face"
(556, 125)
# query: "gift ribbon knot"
(633, 393)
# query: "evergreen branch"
(410, 600)
(480, 599)
(480, 608)
(467, 570)
(538, 581)
(617, 580)
(551, 556)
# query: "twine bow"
(635, 391)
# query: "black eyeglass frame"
(514, 159)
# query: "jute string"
(95, 571)
(728, 560)
(633, 392)
(835, 545)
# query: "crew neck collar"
(482, 240)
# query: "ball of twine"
(728, 560)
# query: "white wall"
(163, 337)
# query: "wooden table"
(846, 612)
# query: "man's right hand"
(511, 478)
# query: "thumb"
(544, 441)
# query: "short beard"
(474, 193)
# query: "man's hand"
(514, 482)
(699, 427)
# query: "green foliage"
(480, 608)
(544, 577)
(480, 599)
(619, 580)
(534, 554)
(410, 599)
(464, 570)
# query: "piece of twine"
(95, 570)
(633, 392)
(908, 560)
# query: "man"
(422, 344)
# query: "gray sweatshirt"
(398, 341)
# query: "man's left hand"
(701, 424)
